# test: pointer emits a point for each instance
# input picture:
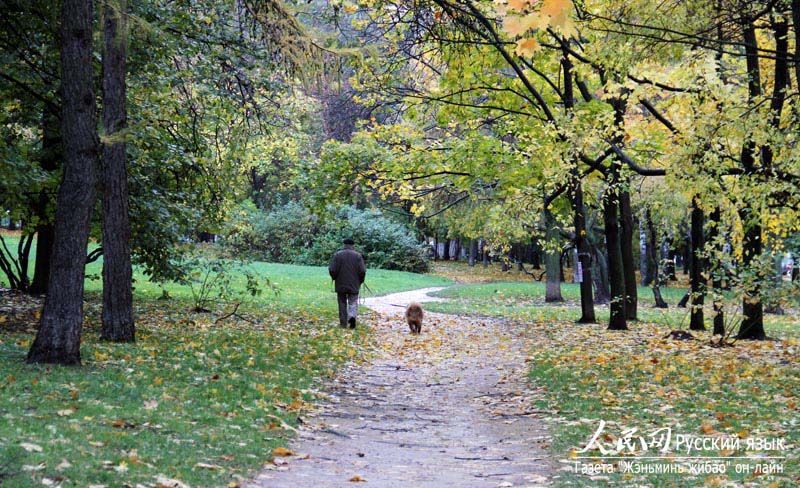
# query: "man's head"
(348, 241)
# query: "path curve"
(448, 408)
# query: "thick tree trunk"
(435, 247)
(484, 254)
(626, 247)
(752, 326)
(446, 251)
(118, 323)
(473, 252)
(50, 157)
(617, 320)
(552, 260)
(697, 277)
(59, 335)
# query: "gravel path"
(448, 408)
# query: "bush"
(385, 244)
(278, 236)
(292, 234)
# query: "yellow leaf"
(527, 47)
(282, 451)
(357, 479)
(518, 5)
(555, 8)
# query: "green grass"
(525, 302)
(192, 400)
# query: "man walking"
(348, 270)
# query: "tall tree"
(118, 322)
(59, 335)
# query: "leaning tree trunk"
(59, 335)
(118, 323)
(552, 262)
(698, 280)
(51, 155)
(626, 247)
(617, 320)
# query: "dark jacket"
(347, 268)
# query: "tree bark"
(118, 325)
(446, 253)
(716, 278)
(51, 155)
(658, 279)
(697, 277)
(59, 335)
(552, 261)
(618, 318)
(626, 247)
(473, 252)
(752, 326)
(602, 295)
(646, 265)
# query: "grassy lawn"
(196, 401)
(638, 379)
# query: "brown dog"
(414, 316)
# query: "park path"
(448, 408)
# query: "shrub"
(278, 236)
(292, 234)
(385, 243)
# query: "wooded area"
(587, 177)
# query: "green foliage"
(292, 234)
(279, 235)
(385, 244)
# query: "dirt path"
(449, 408)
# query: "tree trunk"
(50, 157)
(626, 247)
(752, 326)
(484, 254)
(552, 260)
(59, 335)
(697, 278)
(716, 278)
(118, 323)
(446, 253)
(602, 295)
(617, 320)
(436, 247)
(536, 256)
(658, 279)
(473, 252)
(646, 265)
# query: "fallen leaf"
(282, 451)
(30, 447)
(357, 479)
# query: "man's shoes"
(352, 322)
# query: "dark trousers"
(348, 307)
